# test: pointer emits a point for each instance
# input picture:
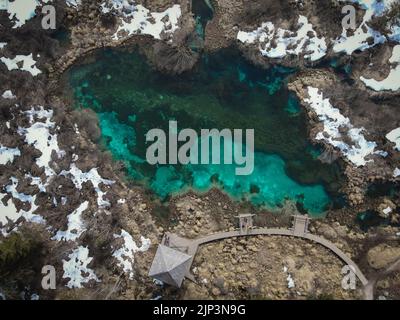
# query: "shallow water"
(203, 12)
(224, 91)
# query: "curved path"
(193, 245)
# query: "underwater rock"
(173, 59)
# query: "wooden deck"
(191, 246)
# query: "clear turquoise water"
(224, 91)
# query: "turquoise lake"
(223, 91)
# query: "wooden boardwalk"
(191, 246)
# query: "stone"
(382, 256)
(215, 291)
(327, 232)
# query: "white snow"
(7, 154)
(39, 114)
(387, 210)
(289, 279)
(38, 135)
(9, 210)
(333, 120)
(394, 136)
(139, 20)
(396, 173)
(2, 45)
(28, 64)
(21, 11)
(8, 95)
(78, 177)
(76, 129)
(392, 82)
(358, 40)
(121, 201)
(35, 296)
(76, 268)
(125, 254)
(395, 32)
(76, 225)
(73, 3)
(299, 42)
(36, 181)
(12, 188)
(381, 153)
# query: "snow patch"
(28, 64)
(9, 211)
(21, 11)
(394, 136)
(76, 226)
(8, 95)
(76, 268)
(333, 120)
(35, 296)
(313, 47)
(78, 177)
(387, 210)
(36, 181)
(139, 20)
(7, 154)
(38, 135)
(125, 254)
(358, 40)
(392, 82)
(289, 279)
(73, 3)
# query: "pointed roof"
(170, 265)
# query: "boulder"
(382, 256)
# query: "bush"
(15, 249)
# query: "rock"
(215, 291)
(172, 59)
(253, 248)
(327, 232)
(386, 208)
(382, 256)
